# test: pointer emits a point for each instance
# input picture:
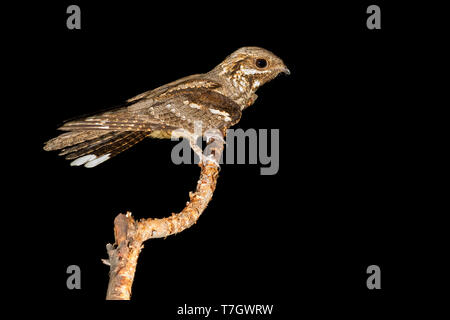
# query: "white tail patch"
(82, 160)
(90, 160)
(97, 161)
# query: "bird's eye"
(261, 63)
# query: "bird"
(212, 101)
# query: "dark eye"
(261, 63)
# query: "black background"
(345, 196)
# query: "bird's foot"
(214, 135)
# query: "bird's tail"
(92, 147)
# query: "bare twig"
(130, 234)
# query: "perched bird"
(215, 100)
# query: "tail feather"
(99, 148)
(89, 144)
(72, 138)
(92, 155)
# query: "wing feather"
(179, 109)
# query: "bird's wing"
(185, 104)
(174, 108)
(190, 82)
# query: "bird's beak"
(286, 71)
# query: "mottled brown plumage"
(215, 100)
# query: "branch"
(130, 234)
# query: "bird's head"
(252, 66)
